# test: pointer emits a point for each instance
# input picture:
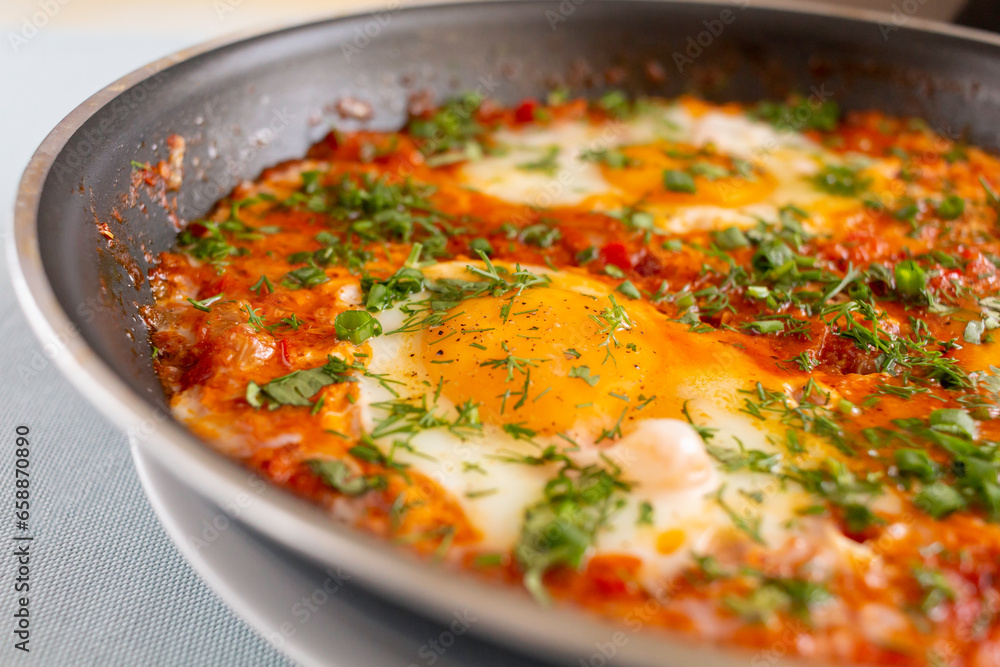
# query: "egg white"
(471, 465)
(791, 157)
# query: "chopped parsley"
(799, 114)
(771, 595)
(205, 304)
(298, 387)
(547, 163)
(370, 208)
(337, 475)
(616, 104)
(305, 277)
(210, 246)
(560, 528)
(645, 514)
(451, 133)
(384, 294)
(263, 284)
(614, 159)
(611, 320)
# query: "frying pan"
(86, 234)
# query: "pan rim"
(508, 616)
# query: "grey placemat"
(106, 585)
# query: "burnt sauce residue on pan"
(727, 369)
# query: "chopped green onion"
(586, 255)
(954, 421)
(915, 462)
(974, 330)
(911, 280)
(357, 326)
(766, 326)
(678, 181)
(712, 172)
(842, 181)
(952, 207)
(629, 290)
(731, 238)
(939, 500)
(613, 271)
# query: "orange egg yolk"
(560, 361)
(716, 179)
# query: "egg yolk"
(561, 361)
(717, 179)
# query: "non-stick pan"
(88, 231)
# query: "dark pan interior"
(257, 102)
